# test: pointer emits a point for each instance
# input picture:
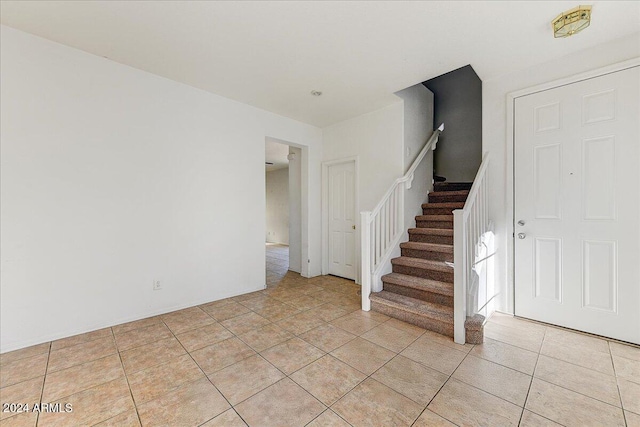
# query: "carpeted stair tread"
(429, 310)
(435, 221)
(428, 285)
(431, 235)
(452, 186)
(446, 205)
(450, 193)
(426, 264)
(420, 288)
(432, 231)
(435, 217)
(441, 208)
(431, 247)
(446, 218)
(448, 196)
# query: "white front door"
(577, 205)
(342, 223)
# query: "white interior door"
(577, 205)
(342, 223)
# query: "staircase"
(420, 288)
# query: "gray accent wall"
(458, 104)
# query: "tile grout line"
(315, 360)
(203, 373)
(573, 391)
(118, 351)
(80, 364)
(498, 363)
(578, 392)
(163, 363)
(126, 377)
(333, 412)
(389, 361)
(258, 354)
(539, 352)
(44, 380)
(360, 382)
(370, 375)
(449, 377)
(145, 342)
(524, 405)
(615, 375)
(507, 367)
(539, 379)
(538, 356)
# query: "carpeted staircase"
(420, 288)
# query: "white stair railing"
(382, 228)
(469, 224)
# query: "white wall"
(377, 139)
(380, 140)
(494, 125)
(112, 177)
(295, 214)
(277, 192)
(418, 121)
(417, 128)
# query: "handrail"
(469, 225)
(477, 184)
(408, 176)
(382, 227)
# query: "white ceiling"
(272, 54)
(275, 153)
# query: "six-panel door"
(577, 205)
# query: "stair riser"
(419, 294)
(429, 238)
(443, 197)
(434, 224)
(441, 276)
(438, 211)
(424, 322)
(432, 255)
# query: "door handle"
(521, 235)
(353, 226)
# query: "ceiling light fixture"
(571, 22)
(316, 93)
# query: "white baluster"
(365, 244)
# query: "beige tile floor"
(302, 353)
(277, 257)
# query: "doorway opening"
(283, 208)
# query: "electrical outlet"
(157, 285)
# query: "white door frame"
(304, 201)
(325, 211)
(511, 99)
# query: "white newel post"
(365, 260)
(459, 304)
